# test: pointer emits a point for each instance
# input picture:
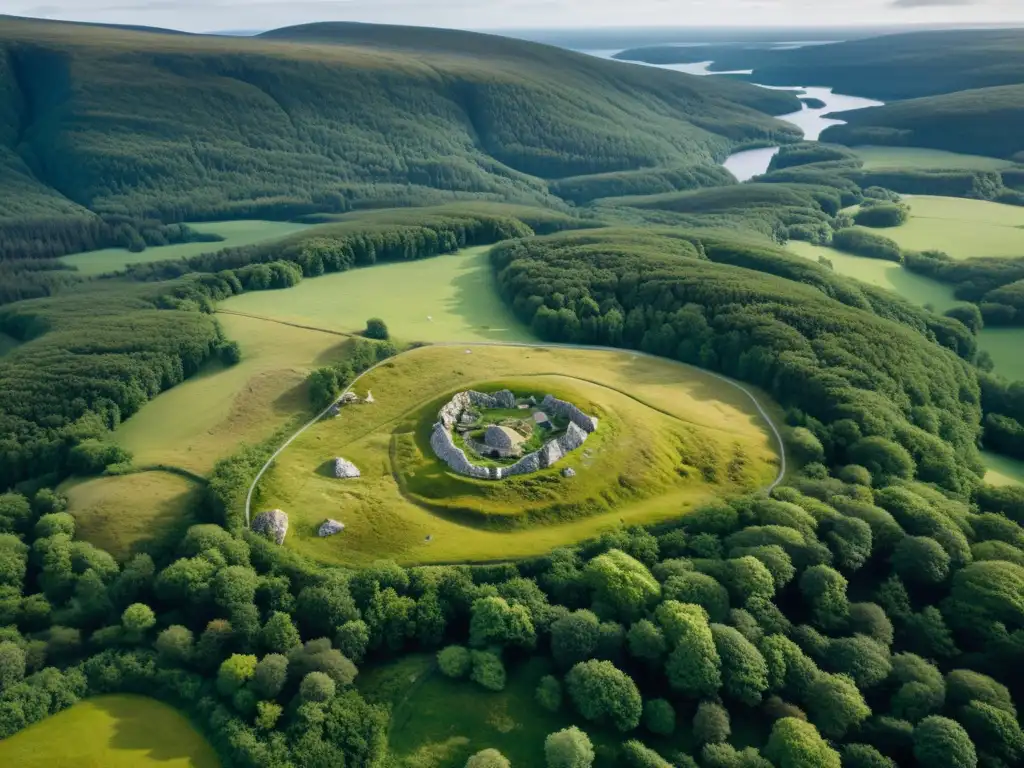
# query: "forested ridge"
(98, 123)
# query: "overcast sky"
(207, 15)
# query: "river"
(812, 121)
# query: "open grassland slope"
(114, 732)
(661, 422)
(128, 514)
(205, 419)
(875, 158)
(327, 118)
(448, 298)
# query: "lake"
(812, 121)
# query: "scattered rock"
(272, 524)
(329, 528)
(345, 470)
(568, 472)
(429, 538)
(349, 398)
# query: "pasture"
(1002, 470)
(445, 298)
(1005, 346)
(962, 228)
(662, 421)
(235, 234)
(127, 514)
(876, 158)
(205, 418)
(916, 288)
(120, 731)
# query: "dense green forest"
(99, 122)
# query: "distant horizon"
(528, 16)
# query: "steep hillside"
(983, 121)
(327, 117)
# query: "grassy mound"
(131, 513)
(114, 732)
(661, 424)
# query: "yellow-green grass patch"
(876, 158)
(962, 228)
(1006, 345)
(119, 731)
(1002, 470)
(660, 421)
(127, 514)
(208, 416)
(445, 298)
(915, 288)
(235, 234)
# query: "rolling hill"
(103, 127)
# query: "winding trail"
(585, 347)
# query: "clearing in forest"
(207, 417)
(445, 298)
(127, 514)
(670, 437)
(878, 158)
(120, 731)
(235, 234)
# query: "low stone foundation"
(581, 426)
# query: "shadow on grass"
(135, 730)
(477, 303)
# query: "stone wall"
(552, 405)
(580, 427)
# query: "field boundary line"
(524, 345)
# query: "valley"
(410, 397)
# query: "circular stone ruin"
(504, 441)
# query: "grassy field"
(886, 274)
(447, 298)
(204, 419)
(672, 413)
(110, 732)
(1002, 470)
(916, 157)
(437, 722)
(235, 233)
(962, 228)
(127, 514)
(1005, 345)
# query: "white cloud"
(204, 15)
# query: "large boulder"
(329, 527)
(344, 470)
(272, 524)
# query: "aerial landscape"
(451, 385)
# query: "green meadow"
(876, 158)
(446, 298)
(671, 438)
(962, 228)
(119, 731)
(109, 515)
(204, 419)
(919, 289)
(235, 233)
(1002, 470)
